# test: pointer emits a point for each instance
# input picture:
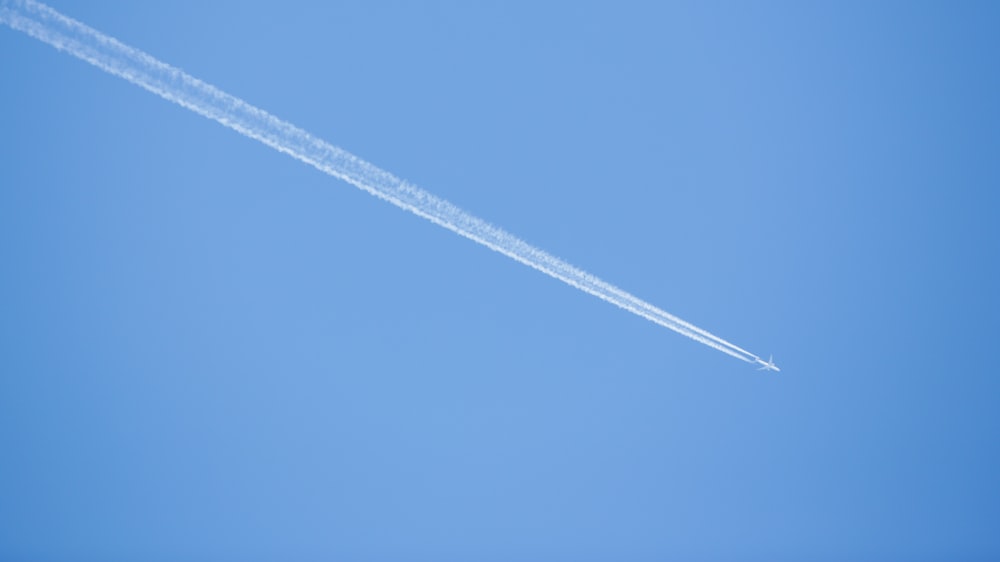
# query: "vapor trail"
(172, 84)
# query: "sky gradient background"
(212, 351)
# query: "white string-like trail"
(172, 84)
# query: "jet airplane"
(767, 365)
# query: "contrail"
(112, 56)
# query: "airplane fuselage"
(767, 365)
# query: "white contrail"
(172, 84)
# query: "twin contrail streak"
(172, 84)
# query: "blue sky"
(212, 351)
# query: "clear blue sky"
(211, 351)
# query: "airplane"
(767, 365)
